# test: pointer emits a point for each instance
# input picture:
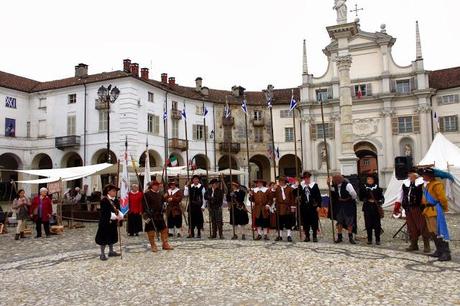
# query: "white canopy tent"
(444, 155)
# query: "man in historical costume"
(153, 217)
(261, 197)
(436, 205)
(344, 206)
(173, 198)
(135, 198)
(310, 203)
(285, 205)
(107, 233)
(410, 198)
(372, 196)
(214, 197)
(196, 204)
(237, 208)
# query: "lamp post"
(108, 96)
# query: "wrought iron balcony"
(178, 144)
(175, 114)
(234, 147)
(258, 122)
(100, 105)
(67, 141)
(230, 121)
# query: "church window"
(448, 123)
(403, 86)
(289, 134)
(405, 125)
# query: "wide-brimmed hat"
(109, 187)
(213, 181)
(154, 183)
(196, 176)
(306, 174)
(426, 171)
(171, 182)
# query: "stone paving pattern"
(65, 270)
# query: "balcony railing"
(67, 141)
(178, 144)
(101, 105)
(230, 121)
(258, 122)
(234, 147)
(175, 114)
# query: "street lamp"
(108, 96)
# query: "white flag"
(124, 186)
(146, 170)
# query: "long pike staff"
(292, 108)
(205, 112)
(227, 115)
(327, 167)
(269, 97)
(118, 223)
(184, 115)
(244, 107)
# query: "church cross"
(356, 10)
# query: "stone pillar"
(387, 114)
(423, 111)
(335, 119)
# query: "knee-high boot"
(151, 236)
(164, 240)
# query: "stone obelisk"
(342, 32)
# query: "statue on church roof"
(341, 8)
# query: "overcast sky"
(238, 42)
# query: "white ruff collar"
(263, 189)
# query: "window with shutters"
(153, 124)
(199, 132)
(257, 115)
(71, 124)
(150, 96)
(405, 125)
(42, 103)
(42, 128)
(323, 130)
(175, 128)
(360, 88)
(72, 99)
(322, 95)
(103, 124)
(403, 86)
(448, 123)
(448, 99)
(258, 134)
(289, 134)
(285, 113)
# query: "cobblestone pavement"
(65, 270)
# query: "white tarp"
(65, 174)
(182, 172)
(234, 172)
(445, 156)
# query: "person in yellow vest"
(435, 202)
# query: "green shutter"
(416, 123)
(394, 125)
(313, 131)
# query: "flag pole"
(327, 167)
(294, 107)
(165, 135)
(229, 152)
(184, 114)
(206, 159)
(247, 159)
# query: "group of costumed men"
(423, 199)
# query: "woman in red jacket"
(41, 211)
(135, 211)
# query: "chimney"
(127, 65)
(205, 91)
(164, 78)
(235, 91)
(135, 69)
(172, 81)
(198, 84)
(145, 73)
(81, 70)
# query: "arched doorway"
(287, 165)
(8, 162)
(200, 161)
(223, 164)
(259, 167)
(42, 161)
(72, 159)
(101, 157)
(367, 158)
(154, 162)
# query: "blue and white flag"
(205, 111)
(165, 115)
(183, 113)
(292, 104)
(436, 120)
(244, 106)
(227, 111)
(278, 152)
(269, 103)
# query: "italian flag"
(173, 161)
